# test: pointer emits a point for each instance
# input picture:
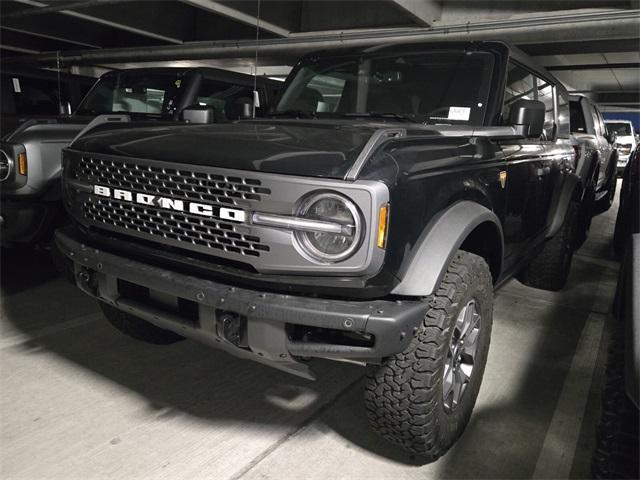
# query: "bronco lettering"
(163, 202)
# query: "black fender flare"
(592, 167)
(426, 264)
(612, 166)
(587, 167)
(561, 201)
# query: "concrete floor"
(80, 400)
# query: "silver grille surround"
(267, 249)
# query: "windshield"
(621, 129)
(147, 93)
(434, 88)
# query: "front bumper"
(267, 319)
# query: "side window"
(603, 127)
(222, 97)
(36, 96)
(545, 95)
(596, 121)
(519, 86)
(563, 115)
(578, 123)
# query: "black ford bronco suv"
(369, 218)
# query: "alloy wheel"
(461, 356)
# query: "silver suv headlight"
(341, 234)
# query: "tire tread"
(403, 396)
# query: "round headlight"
(327, 246)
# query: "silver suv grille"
(178, 228)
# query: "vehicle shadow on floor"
(25, 268)
(184, 378)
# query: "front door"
(529, 169)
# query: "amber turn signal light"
(22, 163)
(383, 224)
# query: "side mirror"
(530, 114)
(611, 136)
(239, 108)
(65, 108)
(201, 114)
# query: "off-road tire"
(549, 269)
(404, 396)
(138, 328)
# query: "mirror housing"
(239, 108)
(200, 114)
(65, 108)
(611, 136)
(530, 114)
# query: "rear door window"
(596, 121)
(563, 115)
(545, 94)
(603, 127)
(578, 124)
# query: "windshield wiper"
(294, 113)
(393, 116)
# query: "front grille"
(185, 184)
(176, 228)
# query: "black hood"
(312, 148)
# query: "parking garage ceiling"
(592, 46)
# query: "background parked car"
(596, 160)
(628, 219)
(626, 140)
(616, 453)
(30, 155)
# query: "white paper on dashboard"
(459, 113)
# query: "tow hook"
(233, 328)
(86, 281)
